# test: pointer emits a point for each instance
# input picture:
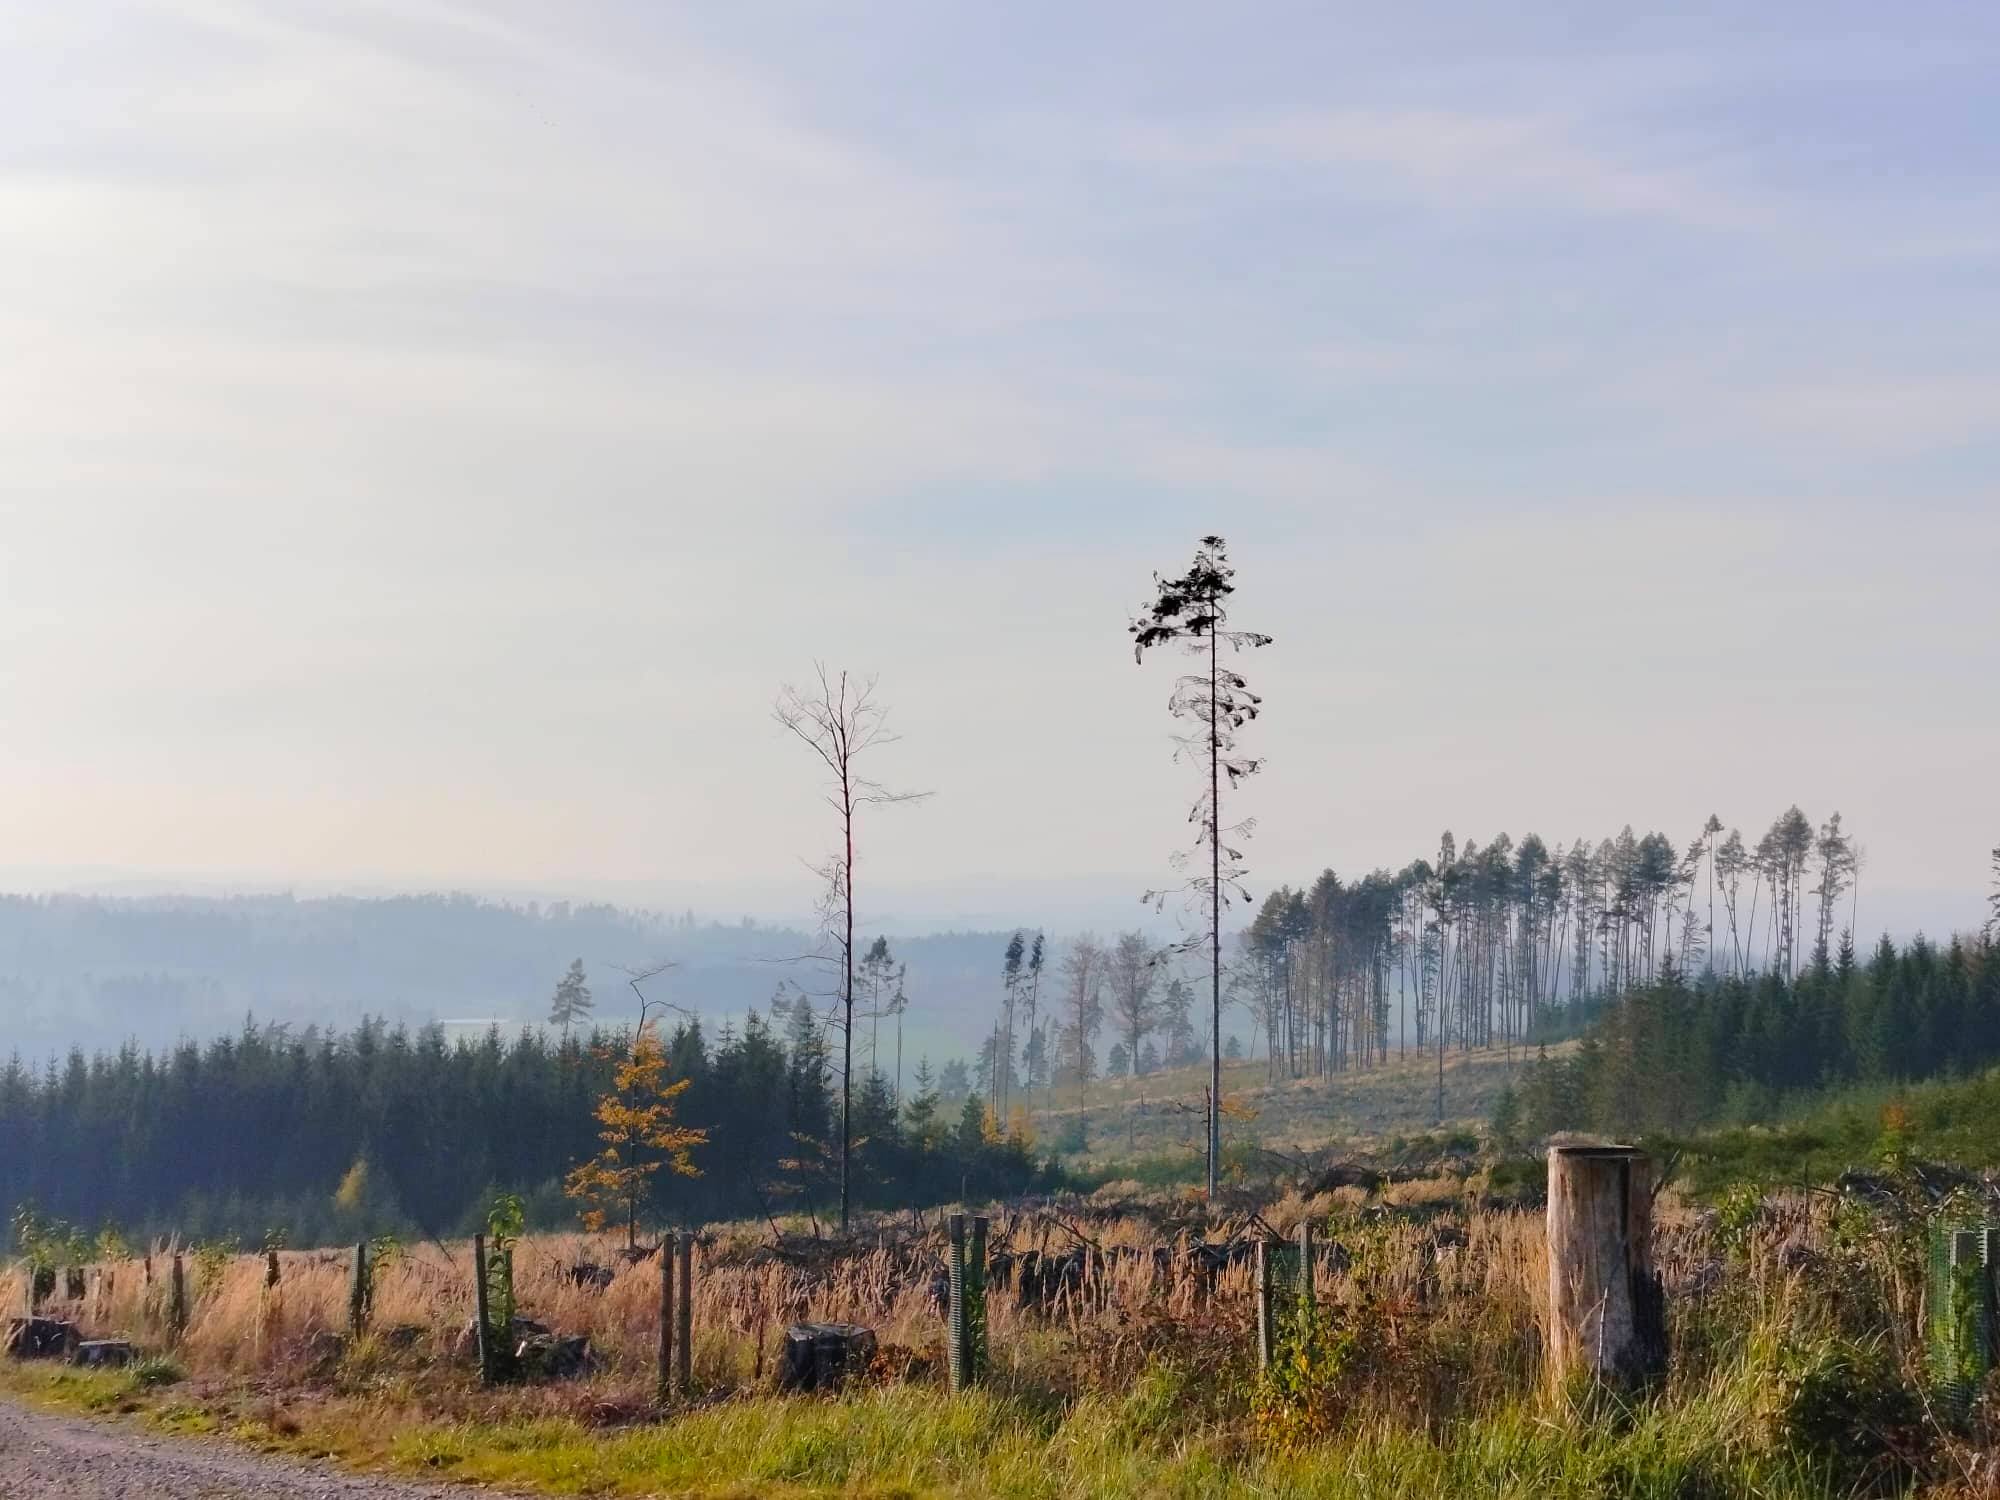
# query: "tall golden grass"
(1452, 1303)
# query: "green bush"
(1843, 1403)
(154, 1371)
(1301, 1396)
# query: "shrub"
(1846, 1404)
(154, 1371)
(1301, 1396)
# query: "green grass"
(1169, 1436)
(906, 1442)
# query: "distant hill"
(98, 971)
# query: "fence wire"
(1959, 1311)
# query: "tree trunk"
(1607, 1312)
(846, 984)
(1215, 912)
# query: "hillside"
(1159, 1115)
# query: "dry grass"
(1444, 1263)
(1160, 1114)
(1137, 1379)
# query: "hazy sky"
(430, 433)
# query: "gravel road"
(68, 1458)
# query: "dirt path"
(68, 1458)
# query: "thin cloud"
(1457, 160)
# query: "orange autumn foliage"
(640, 1137)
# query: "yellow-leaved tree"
(636, 1120)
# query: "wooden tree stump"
(823, 1356)
(40, 1338)
(1607, 1311)
(103, 1354)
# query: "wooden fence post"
(481, 1327)
(1267, 1322)
(360, 1292)
(957, 1356)
(177, 1311)
(1308, 1292)
(684, 1312)
(1607, 1311)
(664, 1386)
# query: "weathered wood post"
(1607, 1311)
(684, 1333)
(482, 1328)
(665, 1385)
(1267, 1321)
(1307, 1289)
(177, 1309)
(360, 1291)
(957, 1359)
(269, 1303)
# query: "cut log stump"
(822, 1356)
(103, 1354)
(1607, 1311)
(543, 1356)
(40, 1338)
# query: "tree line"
(1046, 1039)
(1684, 1050)
(323, 1136)
(1508, 944)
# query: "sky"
(432, 433)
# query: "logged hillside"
(1156, 1119)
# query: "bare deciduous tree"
(840, 720)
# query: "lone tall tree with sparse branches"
(1193, 611)
(840, 720)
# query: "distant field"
(1160, 1114)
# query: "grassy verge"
(1168, 1436)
